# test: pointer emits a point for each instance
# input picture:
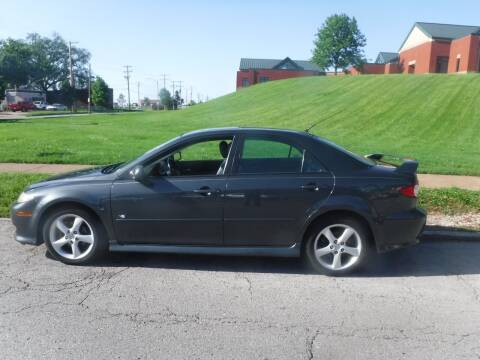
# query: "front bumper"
(400, 229)
(25, 226)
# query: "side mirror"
(138, 173)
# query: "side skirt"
(292, 251)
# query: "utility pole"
(70, 65)
(127, 72)
(158, 96)
(138, 93)
(164, 77)
(180, 83)
(89, 88)
(186, 96)
(70, 62)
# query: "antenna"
(307, 130)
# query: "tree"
(339, 43)
(68, 92)
(15, 63)
(100, 92)
(165, 99)
(177, 100)
(121, 100)
(146, 102)
(50, 62)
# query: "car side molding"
(291, 251)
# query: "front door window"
(205, 158)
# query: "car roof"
(251, 130)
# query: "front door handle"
(310, 187)
(204, 190)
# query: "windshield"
(111, 168)
(114, 167)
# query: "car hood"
(85, 175)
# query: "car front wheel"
(337, 246)
(74, 236)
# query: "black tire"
(100, 243)
(362, 236)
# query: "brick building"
(253, 71)
(431, 48)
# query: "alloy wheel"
(337, 247)
(71, 236)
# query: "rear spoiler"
(407, 166)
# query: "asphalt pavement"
(417, 303)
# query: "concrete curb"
(427, 235)
(453, 235)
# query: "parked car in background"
(21, 106)
(56, 106)
(231, 191)
(40, 105)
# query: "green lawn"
(444, 201)
(450, 201)
(11, 185)
(434, 118)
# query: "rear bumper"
(400, 229)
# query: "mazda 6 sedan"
(231, 191)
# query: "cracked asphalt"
(416, 303)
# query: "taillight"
(410, 191)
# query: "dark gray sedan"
(231, 191)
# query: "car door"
(274, 183)
(175, 209)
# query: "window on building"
(263, 79)
(411, 69)
(457, 67)
(442, 64)
(478, 60)
(245, 82)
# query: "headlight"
(24, 197)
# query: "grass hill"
(434, 118)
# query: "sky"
(201, 42)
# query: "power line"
(179, 83)
(164, 77)
(127, 72)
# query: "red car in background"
(21, 106)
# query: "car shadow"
(429, 258)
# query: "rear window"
(361, 159)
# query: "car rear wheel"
(74, 236)
(337, 246)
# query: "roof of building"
(386, 57)
(287, 63)
(447, 31)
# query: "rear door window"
(268, 156)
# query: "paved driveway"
(418, 303)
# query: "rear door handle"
(310, 187)
(205, 190)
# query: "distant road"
(23, 116)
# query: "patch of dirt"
(470, 221)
